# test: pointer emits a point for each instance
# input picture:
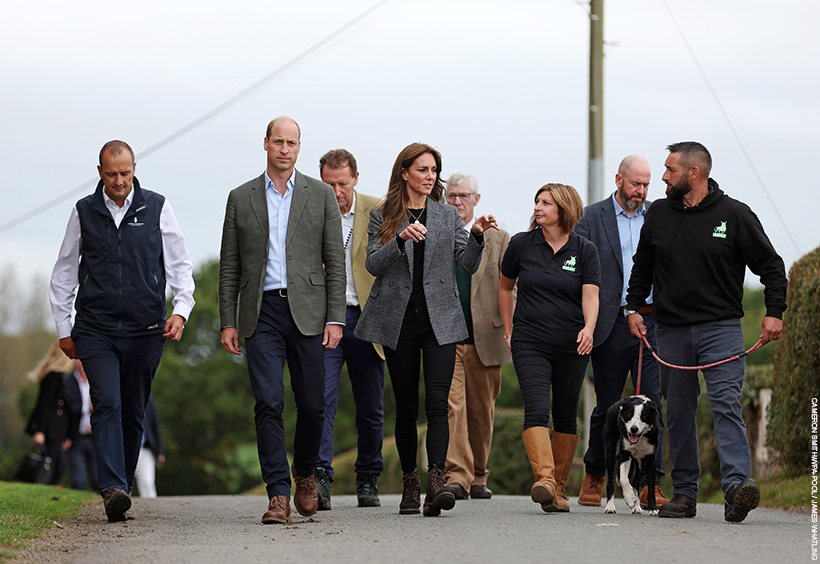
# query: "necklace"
(409, 211)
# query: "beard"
(633, 205)
(679, 189)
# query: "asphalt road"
(505, 529)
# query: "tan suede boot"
(563, 451)
(539, 451)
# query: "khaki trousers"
(472, 398)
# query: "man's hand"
(39, 438)
(230, 340)
(636, 326)
(174, 327)
(772, 329)
(67, 344)
(332, 336)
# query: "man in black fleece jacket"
(695, 246)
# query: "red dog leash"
(756, 346)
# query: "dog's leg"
(610, 453)
(629, 492)
(651, 478)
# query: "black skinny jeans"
(538, 371)
(404, 363)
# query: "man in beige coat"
(365, 361)
(477, 377)
(281, 288)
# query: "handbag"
(35, 468)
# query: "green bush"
(797, 366)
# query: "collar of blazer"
(299, 199)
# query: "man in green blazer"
(282, 289)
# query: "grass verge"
(787, 491)
(25, 509)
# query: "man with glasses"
(477, 376)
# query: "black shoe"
(740, 499)
(679, 506)
(116, 503)
(480, 492)
(367, 490)
(437, 498)
(323, 487)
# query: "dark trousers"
(275, 340)
(612, 360)
(82, 464)
(120, 371)
(366, 372)
(417, 340)
(538, 371)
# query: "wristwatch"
(628, 312)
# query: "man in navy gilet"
(121, 246)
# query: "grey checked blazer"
(446, 243)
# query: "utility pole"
(595, 190)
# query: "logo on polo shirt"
(569, 264)
(720, 231)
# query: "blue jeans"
(120, 371)
(366, 372)
(700, 344)
(612, 360)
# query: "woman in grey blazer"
(414, 309)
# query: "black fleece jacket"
(697, 257)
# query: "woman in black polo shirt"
(550, 333)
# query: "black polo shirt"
(548, 311)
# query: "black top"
(697, 257)
(548, 310)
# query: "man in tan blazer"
(281, 288)
(365, 361)
(477, 377)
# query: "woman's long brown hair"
(394, 209)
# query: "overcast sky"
(501, 89)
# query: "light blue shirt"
(276, 274)
(629, 232)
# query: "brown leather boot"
(411, 494)
(437, 497)
(539, 451)
(278, 510)
(660, 499)
(116, 503)
(591, 489)
(563, 451)
(306, 496)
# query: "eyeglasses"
(453, 195)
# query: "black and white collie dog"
(631, 434)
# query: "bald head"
(632, 181)
(283, 120)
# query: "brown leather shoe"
(306, 496)
(116, 503)
(591, 489)
(411, 494)
(437, 496)
(278, 511)
(480, 492)
(660, 499)
(456, 489)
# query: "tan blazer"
(362, 279)
(488, 329)
(315, 257)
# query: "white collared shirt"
(176, 260)
(276, 273)
(348, 219)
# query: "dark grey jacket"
(446, 244)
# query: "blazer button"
(60, 412)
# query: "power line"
(348, 27)
(732, 128)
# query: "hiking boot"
(660, 499)
(591, 489)
(740, 499)
(323, 488)
(305, 498)
(278, 511)
(680, 506)
(367, 490)
(116, 503)
(437, 498)
(411, 494)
